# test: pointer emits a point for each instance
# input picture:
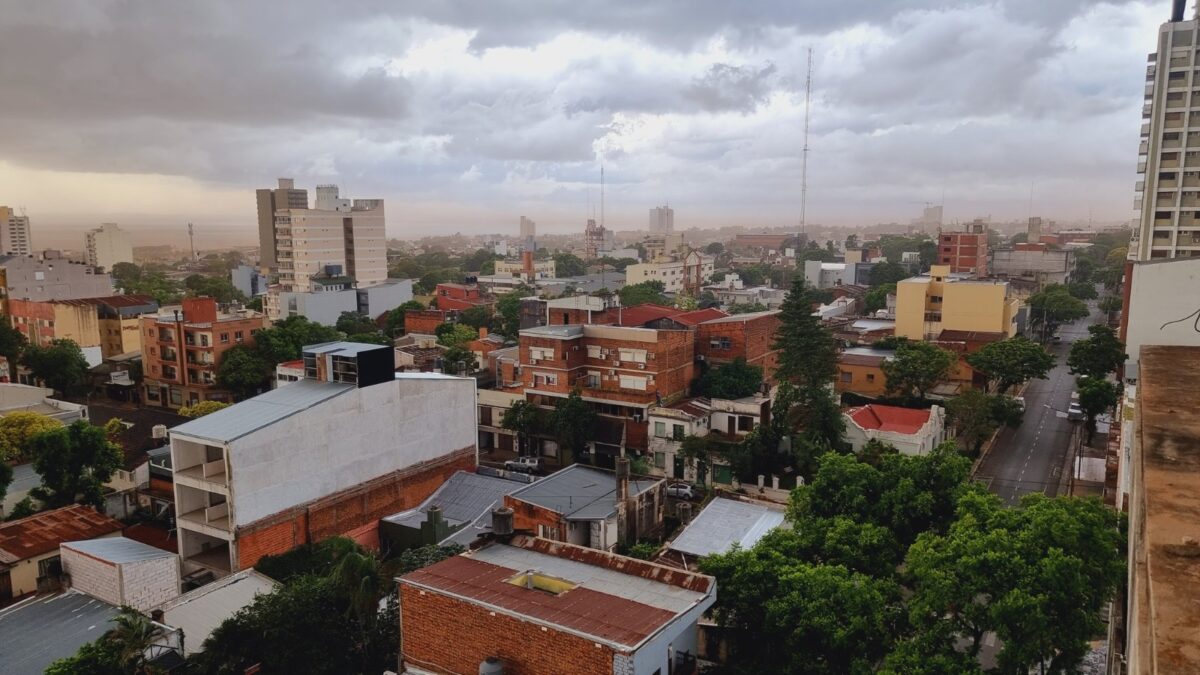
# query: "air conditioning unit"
(641, 366)
(617, 364)
(533, 361)
(699, 357)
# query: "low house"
(27, 398)
(865, 331)
(457, 512)
(29, 556)
(122, 571)
(288, 372)
(532, 606)
(860, 371)
(911, 431)
(197, 613)
(720, 420)
(590, 507)
(723, 524)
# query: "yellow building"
(109, 323)
(940, 301)
(29, 546)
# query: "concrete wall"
(143, 584)
(349, 440)
(920, 443)
(323, 308)
(1164, 305)
(29, 279)
(381, 298)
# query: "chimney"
(527, 264)
(502, 523)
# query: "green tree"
(715, 248)
(375, 338)
(394, 324)
(1098, 354)
(202, 408)
(916, 368)
(971, 416)
(1082, 290)
(885, 273)
(125, 273)
(6, 478)
(1095, 397)
(1053, 306)
(60, 365)
(458, 360)
(455, 334)
(74, 462)
(1036, 575)
(12, 344)
(508, 309)
(16, 430)
(526, 420)
(1010, 362)
(476, 317)
(120, 650)
(568, 265)
(1110, 304)
(730, 381)
(852, 241)
(219, 288)
(352, 323)
(876, 298)
(574, 425)
(807, 351)
(643, 293)
(286, 338)
(244, 371)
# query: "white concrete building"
(675, 275)
(313, 453)
(723, 419)
(122, 571)
(332, 296)
(249, 280)
(911, 431)
(15, 238)
(106, 246)
(542, 269)
(819, 274)
(1163, 308)
(1040, 264)
(51, 277)
(1168, 191)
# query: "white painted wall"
(1164, 305)
(921, 443)
(348, 440)
(677, 636)
(143, 584)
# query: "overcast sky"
(466, 115)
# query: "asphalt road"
(24, 480)
(1030, 458)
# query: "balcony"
(213, 520)
(215, 558)
(205, 476)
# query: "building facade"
(106, 246)
(15, 237)
(328, 455)
(910, 431)
(182, 347)
(965, 252)
(662, 220)
(107, 326)
(748, 336)
(685, 274)
(940, 300)
(50, 277)
(1034, 262)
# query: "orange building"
(747, 336)
(182, 348)
(967, 251)
(460, 297)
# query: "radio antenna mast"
(804, 153)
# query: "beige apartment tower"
(1168, 191)
(14, 233)
(106, 246)
(339, 237)
(662, 220)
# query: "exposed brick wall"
(354, 512)
(424, 321)
(447, 635)
(752, 340)
(527, 517)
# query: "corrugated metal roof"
(463, 498)
(723, 523)
(741, 318)
(118, 550)
(200, 611)
(341, 348)
(580, 492)
(261, 411)
(37, 632)
(43, 532)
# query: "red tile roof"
(696, 316)
(601, 615)
(889, 418)
(639, 315)
(43, 532)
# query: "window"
(633, 355)
(660, 429)
(238, 336)
(592, 379)
(224, 338)
(677, 432)
(632, 382)
(847, 377)
(541, 354)
(51, 566)
(545, 378)
(870, 377)
(660, 460)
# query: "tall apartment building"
(686, 274)
(528, 228)
(106, 246)
(1168, 194)
(929, 304)
(327, 455)
(15, 238)
(338, 234)
(102, 327)
(662, 220)
(50, 277)
(966, 252)
(182, 347)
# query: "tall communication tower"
(192, 240)
(804, 153)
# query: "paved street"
(1030, 458)
(24, 480)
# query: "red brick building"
(182, 348)
(536, 607)
(460, 296)
(748, 336)
(965, 252)
(426, 321)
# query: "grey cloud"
(726, 87)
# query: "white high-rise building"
(662, 220)
(528, 228)
(1168, 193)
(106, 246)
(14, 233)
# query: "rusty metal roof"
(43, 532)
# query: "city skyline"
(469, 121)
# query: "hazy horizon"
(463, 119)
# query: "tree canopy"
(286, 338)
(1053, 306)
(642, 293)
(807, 351)
(74, 462)
(455, 334)
(1098, 354)
(12, 344)
(526, 419)
(18, 428)
(887, 272)
(730, 381)
(1010, 362)
(568, 265)
(574, 425)
(60, 365)
(1096, 395)
(876, 298)
(352, 323)
(202, 408)
(244, 371)
(916, 368)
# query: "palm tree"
(132, 634)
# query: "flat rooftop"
(1165, 575)
(725, 523)
(612, 599)
(240, 419)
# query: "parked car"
(1020, 401)
(681, 491)
(524, 465)
(1056, 339)
(1075, 413)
